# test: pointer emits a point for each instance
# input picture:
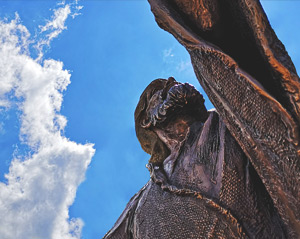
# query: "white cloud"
(56, 25)
(184, 66)
(41, 187)
(177, 62)
(168, 54)
(58, 19)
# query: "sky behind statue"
(109, 51)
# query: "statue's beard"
(173, 100)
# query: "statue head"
(162, 105)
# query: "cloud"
(177, 62)
(184, 66)
(42, 185)
(56, 25)
(168, 54)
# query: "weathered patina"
(229, 173)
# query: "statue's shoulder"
(122, 227)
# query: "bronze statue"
(229, 173)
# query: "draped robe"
(243, 179)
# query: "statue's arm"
(259, 104)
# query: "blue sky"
(70, 78)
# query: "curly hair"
(148, 139)
(173, 99)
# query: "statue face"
(172, 109)
(164, 114)
(175, 100)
